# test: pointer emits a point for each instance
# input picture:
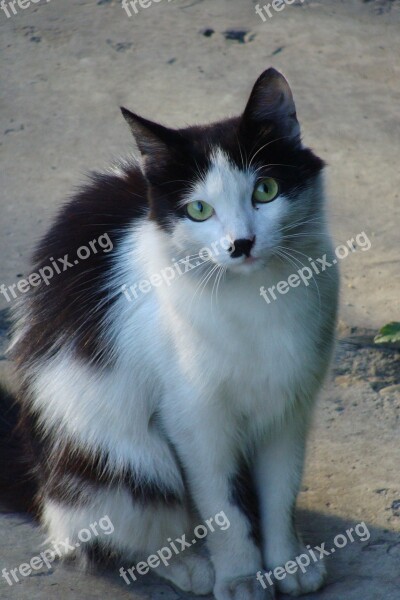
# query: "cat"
(192, 396)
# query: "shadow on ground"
(366, 570)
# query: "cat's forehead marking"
(221, 163)
(224, 174)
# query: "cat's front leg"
(209, 454)
(279, 467)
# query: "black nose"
(241, 247)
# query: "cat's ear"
(271, 104)
(151, 138)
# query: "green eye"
(266, 190)
(199, 210)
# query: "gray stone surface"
(67, 66)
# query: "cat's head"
(248, 179)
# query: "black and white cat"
(196, 396)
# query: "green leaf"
(389, 334)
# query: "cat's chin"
(248, 266)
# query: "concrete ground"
(67, 66)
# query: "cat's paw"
(242, 588)
(191, 573)
(300, 583)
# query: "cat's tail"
(18, 486)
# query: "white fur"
(228, 190)
(137, 531)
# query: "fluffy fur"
(195, 397)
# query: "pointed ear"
(150, 137)
(271, 104)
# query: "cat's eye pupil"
(199, 211)
(266, 190)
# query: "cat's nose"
(241, 246)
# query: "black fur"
(67, 474)
(73, 306)
(244, 496)
(18, 485)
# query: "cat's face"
(246, 180)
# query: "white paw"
(242, 588)
(302, 583)
(191, 573)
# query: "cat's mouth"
(247, 265)
(249, 260)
